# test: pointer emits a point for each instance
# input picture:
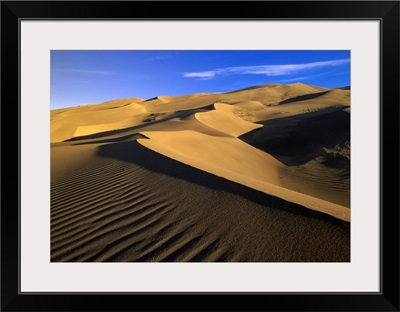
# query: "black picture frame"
(12, 12)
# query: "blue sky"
(95, 76)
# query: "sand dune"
(236, 161)
(251, 104)
(88, 119)
(276, 93)
(258, 174)
(222, 155)
(121, 202)
(224, 120)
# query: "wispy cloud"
(84, 71)
(268, 70)
(206, 74)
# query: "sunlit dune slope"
(87, 119)
(225, 120)
(236, 161)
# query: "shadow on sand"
(296, 140)
(303, 97)
(133, 152)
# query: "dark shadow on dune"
(151, 99)
(120, 131)
(205, 108)
(303, 97)
(129, 137)
(186, 113)
(89, 138)
(298, 139)
(134, 152)
(270, 85)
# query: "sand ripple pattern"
(103, 212)
(121, 210)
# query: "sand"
(256, 175)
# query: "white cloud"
(203, 75)
(268, 70)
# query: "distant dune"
(259, 174)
